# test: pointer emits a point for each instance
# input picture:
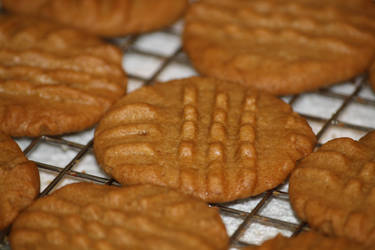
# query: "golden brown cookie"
(54, 79)
(282, 46)
(213, 139)
(333, 189)
(104, 17)
(372, 76)
(19, 181)
(308, 241)
(91, 216)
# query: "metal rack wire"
(245, 215)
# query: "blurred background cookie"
(90, 216)
(283, 47)
(372, 76)
(205, 137)
(308, 241)
(54, 79)
(333, 189)
(19, 181)
(104, 17)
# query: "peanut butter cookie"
(213, 139)
(19, 181)
(53, 79)
(308, 241)
(372, 76)
(104, 17)
(333, 189)
(86, 216)
(281, 46)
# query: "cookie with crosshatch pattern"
(91, 216)
(333, 189)
(19, 181)
(308, 241)
(282, 46)
(54, 79)
(213, 139)
(104, 17)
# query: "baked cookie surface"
(308, 241)
(333, 189)
(104, 17)
(213, 139)
(372, 76)
(90, 216)
(19, 181)
(54, 79)
(282, 46)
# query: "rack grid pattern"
(347, 109)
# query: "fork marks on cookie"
(216, 140)
(189, 124)
(218, 131)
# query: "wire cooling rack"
(346, 109)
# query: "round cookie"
(308, 241)
(19, 181)
(281, 46)
(54, 79)
(90, 216)
(333, 189)
(213, 139)
(104, 17)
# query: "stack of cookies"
(178, 145)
